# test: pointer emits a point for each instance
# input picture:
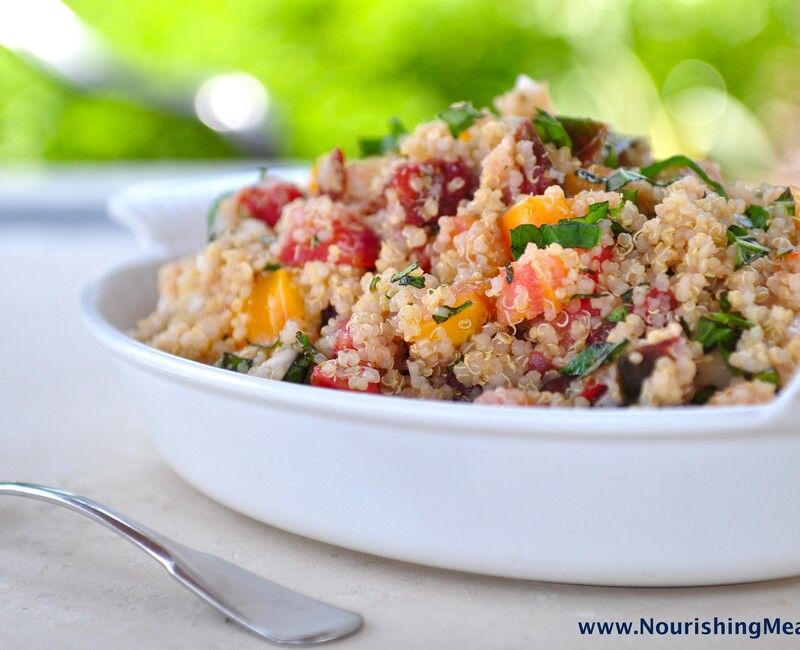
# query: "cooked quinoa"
(506, 256)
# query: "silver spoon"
(269, 610)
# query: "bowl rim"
(638, 423)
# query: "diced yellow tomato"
(274, 300)
(459, 327)
(536, 211)
(537, 275)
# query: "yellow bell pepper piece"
(460, 322)
(274, 300)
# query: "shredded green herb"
(721, 329)
(787, 201)
(592, 357)
(569, 233)
(404, 277)
(459, 117)
(597, 212)
(651, 171)
(445, 313)
(272, 266)
(759, 216)
(551, 130)
(231, 361)
(724, 303)
(616, 181)
(386, 144)
(374, 283)
(618, 314)
(509, 273)
(770, 375)
(748, 250)
(300, 369)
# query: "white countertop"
(66, 420)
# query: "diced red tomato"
(657, 308)
(265, 201)
(343, 340)
(446, 182)
(593, 391)
(339, 383)
(539, 362)
(537, 275)
(357, 244)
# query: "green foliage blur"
(709, 77)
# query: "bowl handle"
(170, 217)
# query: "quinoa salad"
(503, 255)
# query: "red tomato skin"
(358, 246)
(264, 202)
(323, 381)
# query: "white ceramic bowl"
(676, 496)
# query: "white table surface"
(66, 420)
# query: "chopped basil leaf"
(748, 250)
(785, 251)
(592, 357)
(569, 233)
(387, 144)
(730, 318)
(631, 195)
(621, 178)
(300, 369)
(759, 217)
(618, 314)
(272, 266)
(315, 242)
(373, 285)
(230, 361)
(724, 303)
(509, 273)
(721, 329)
(589, 295)
(444, 313)
(211, 217)
(616, 181)
(687, 331)
(596, 212)
(551, 130)
(703, 395)
(770, 375)
(459, 117)
(404, 277)
(787, 201)
(682, 161)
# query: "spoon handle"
(265, 608)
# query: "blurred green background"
(713, 77)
